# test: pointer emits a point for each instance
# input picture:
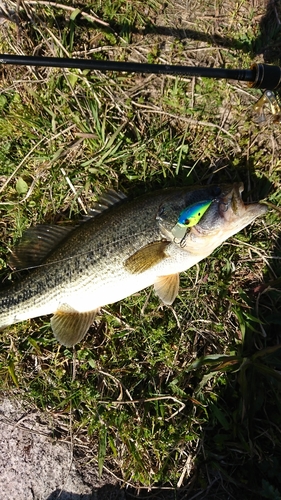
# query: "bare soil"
(37, 462)
(35, 465)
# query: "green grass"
(151, 390)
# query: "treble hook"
(273, 100)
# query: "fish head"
(226, 215)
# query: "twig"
(184, 119)
(66, 7)
(74, 190)
(265, 259)
(146, 400)
(20, 165)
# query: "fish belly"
(117, 285)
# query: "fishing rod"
(259, 76)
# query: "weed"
(152, 386)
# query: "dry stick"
(187, 120)
(121, 392)
(145, 400)
(66, 7)
(122, 481)
(186, 470)
(20, 165)
(4, 13)
(73, 190)
(263, 257)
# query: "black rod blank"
(259, 76)
(234, 74)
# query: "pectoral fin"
(70, 326)
(167, 288)
(146, 257)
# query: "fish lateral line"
(15, 270)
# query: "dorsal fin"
(36, 243)
(105, 201)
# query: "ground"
(168, 403)
(37, 463)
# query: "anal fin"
(167, 288)
(69, 326)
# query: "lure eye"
(195, 219)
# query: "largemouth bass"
(123, 248)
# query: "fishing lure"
(189, 217)
(273, 100)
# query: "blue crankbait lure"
(189, 217)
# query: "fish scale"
(127, 247)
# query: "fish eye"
(217, 190)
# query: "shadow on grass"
(125, 28)
(268, 42)
(110, 492)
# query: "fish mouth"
(232, 207)
(227, 215)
